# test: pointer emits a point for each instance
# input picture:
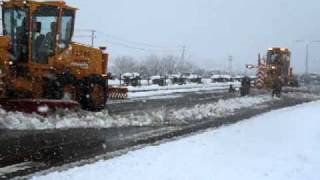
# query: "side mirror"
(37, 27)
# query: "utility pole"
(183, 53)
(307, 52)
(307, 59)
(230, 60)
(182, 58)
(93, 37)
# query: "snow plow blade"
(42, 107)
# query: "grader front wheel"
(97, 97)
(69, 92)
(94, 93)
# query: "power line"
(92, 35)
(137, 48)
(135, 44)
(114, 43)
(128, 46)
(117, 41)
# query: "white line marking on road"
(16, 167)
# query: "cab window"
(44, 34)
(15, 25)
(66, 30)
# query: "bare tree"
(185, 67)
(153, 65)
(168, 64)
(124, 64)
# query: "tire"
(53, 90)
(93, 96)
(68, 90)
(56, 87)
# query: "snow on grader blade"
(40, 65)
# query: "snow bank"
(282, 144)
(186, 86)
(103, 119)
(299, 95)
(220, 109)
(152, 90)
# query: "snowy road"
(282, 144)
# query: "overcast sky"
(210, 29)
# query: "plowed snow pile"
(282, 144)
(21, 121)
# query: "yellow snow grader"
(276, 66)
(40, 67)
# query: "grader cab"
(39, 63)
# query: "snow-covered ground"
(146, 91)
(21, 121)
(279, 145)
(116, 82)
(153, 90)
(185, 86)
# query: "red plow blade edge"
(41, 107)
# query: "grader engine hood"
(84, 60)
